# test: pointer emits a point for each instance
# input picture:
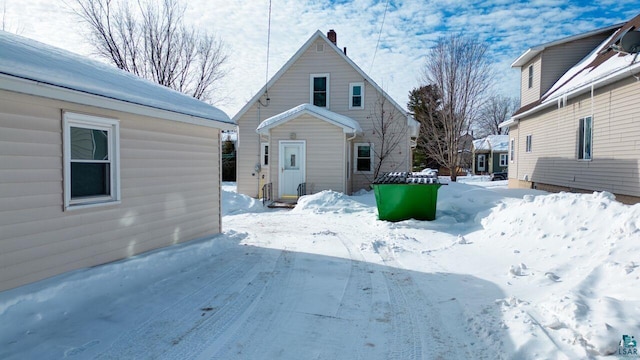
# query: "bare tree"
(390, 130)
(151, 41)
(497, 109)
(459, 69)
(6, 25)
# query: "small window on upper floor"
(319, 90)
(528, 145)
(530, 76)
(356, 96)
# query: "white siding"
(616, 149)
(325, 144)
(292, 89)
(170, 191)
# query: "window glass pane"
(587, 138)
(364, 165)
(356, 101)
(320, 99)
(89, 144)
(320, 84)
(364, 151)
(356, 90)
(89, 179)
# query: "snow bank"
(581, 276)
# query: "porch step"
(282, 205)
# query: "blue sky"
(410, 28)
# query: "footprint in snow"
(551, 276)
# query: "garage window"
(91, 161)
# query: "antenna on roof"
(630, 42)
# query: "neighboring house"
(579, 124)
(318, 125)
(490, 155)
(97, 164)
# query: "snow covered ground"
(501, 273)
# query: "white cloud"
(410, 29)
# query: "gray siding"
(556, 60)
(292, 89)
(529, 95)
(169, 180)
(615, 166)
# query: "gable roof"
(318, 35)
(30, 67)
(347, 124)
(492, 142)
(534, 51)
(601, 67)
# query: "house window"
(319, 94)
(503, 160)
(585, 136)
(530, 76)
(528, 146)
(364, 157)
(481, 162)
(264, 154)
(513, 150)
(91, 160)
(356, 96)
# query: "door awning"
(347, 124)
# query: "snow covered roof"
(347, 124)
(601, 67)
(30, 67)
(319, 35)
(492, 142)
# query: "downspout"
(348, 153)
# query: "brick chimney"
(333, 37)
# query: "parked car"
(499, 176)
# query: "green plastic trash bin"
(402, 196)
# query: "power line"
(266, 75)
(379, 35)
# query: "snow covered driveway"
(499, 274)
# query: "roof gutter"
(36, 88)
(606, 80)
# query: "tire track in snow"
(418, 326)
(253, 331)
(203, 308)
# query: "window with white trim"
(503, 159)
(512, 148)
(264, 154)
(528, 146)
(356, 96)
(530, 76)
(363, 157)
(585, 137)
(319, 90)
(91, 160)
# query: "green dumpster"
(402, 196)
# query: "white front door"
(481, 162)
(292, 167)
